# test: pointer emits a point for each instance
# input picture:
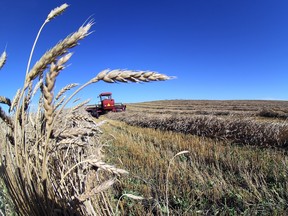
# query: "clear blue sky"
(224, 49)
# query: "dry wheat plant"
(51, 160)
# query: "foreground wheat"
(51, 158)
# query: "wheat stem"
(48, 99)
(167, 178)
(58, 50)
(66, 88)
(132, 196)
(55, 12)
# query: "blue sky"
(217, 49)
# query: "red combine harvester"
(105, 105)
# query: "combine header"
(105, 105)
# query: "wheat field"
(235, 164)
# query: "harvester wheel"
(95, 114)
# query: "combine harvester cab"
(106, 104)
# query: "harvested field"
(260, 108)
(213, 178)
(261, 123)
(229, 157)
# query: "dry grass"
(51, 157)
(214, 178)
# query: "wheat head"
(120, 75)
(3, 59)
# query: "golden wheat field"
(236, 161)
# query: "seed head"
(56, 12)
(3, 58)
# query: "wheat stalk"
(37, 86)
(5, 100)
(167, 175)
(80, 105)
(28, 96)
(132, 196)
(81, 117)
(102, 165)
(49, 86)
(59, 103)
(58, 50)
(64, 89)
(98, 189)
(76, 132)
(98, 164)
(48, 106)
(48, 58)
(6, 118)
(56, 12)
(119, 75)
(50, 145)
(3, 59)
(15, 100)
